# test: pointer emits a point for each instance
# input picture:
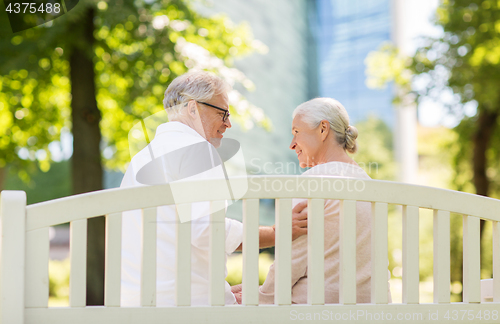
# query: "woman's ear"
(325, 129)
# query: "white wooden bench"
(25, 253)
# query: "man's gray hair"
(198, 85)
(314, 111)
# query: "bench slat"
(283, 252)
(496, 261)
(37, 268)
(217, 253)
(108, 201)
(78, 263)
(347, 255)
(379, 259)
(113, 259)
(472, 260)
(441, 248)
(148, 263)
(250, 252)
(12, 265)
(316, 252)
(261, 314)
(411, 275)
(183, 258)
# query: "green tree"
(464, 65)
(57, 179)
(461, 70)
(32, 113)
(375, 152)
(106, 66)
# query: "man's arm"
(299, 227)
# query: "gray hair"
(316, 110)
(197, 85)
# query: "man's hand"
(236, 290)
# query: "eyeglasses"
(226, 112)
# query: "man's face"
(211, 119)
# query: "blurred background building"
(346, 31)
(285, 75)
(318, 48)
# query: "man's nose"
(292, 145)
(227, 123)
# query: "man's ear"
(192, 109)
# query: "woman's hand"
(299, 220)
(267, 234)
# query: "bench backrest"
(25, 242)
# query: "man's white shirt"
(170, 137)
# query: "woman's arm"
(299, 227)
(299, 270)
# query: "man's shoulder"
(128, 179)
(174, 145)
(175, 128)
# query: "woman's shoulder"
(339, 169)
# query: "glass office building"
(345, 32)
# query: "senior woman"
(322, 137)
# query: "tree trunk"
(481, 139)
(486, 124)
(86, 160)
(3, 176)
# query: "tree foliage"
(140, 47)
(461, 70)
(375, 152)
(34, 104)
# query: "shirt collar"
(175, 126)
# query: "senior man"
(198, 112)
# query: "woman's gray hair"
(316, 110)
(197, 85)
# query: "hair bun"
(351, 133)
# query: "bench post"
(12, 263)
(347, 252)
(441, 248)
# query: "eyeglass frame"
(226, 112)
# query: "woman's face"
(306, 142)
